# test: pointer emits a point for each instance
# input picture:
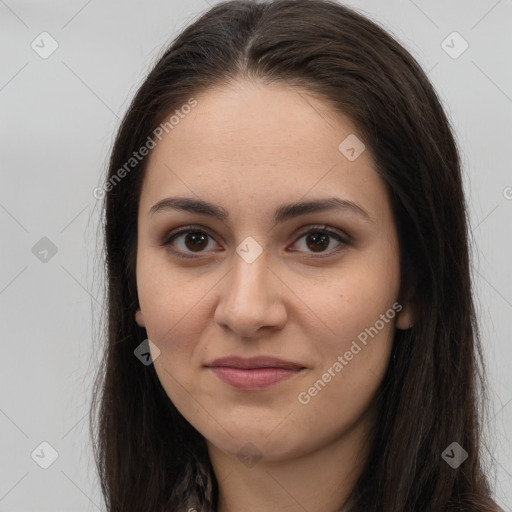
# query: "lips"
(255, 362)
(253, 373)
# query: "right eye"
(195, 241)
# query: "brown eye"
(193, 240)
(196, 240)
(318, 240)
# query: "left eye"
(317, 239)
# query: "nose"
(251, 298)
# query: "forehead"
(271, 144)
(228, 120)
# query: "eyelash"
(319, 229)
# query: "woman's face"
(253, 282)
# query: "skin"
(250, 148)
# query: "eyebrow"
(281, 214)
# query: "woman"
(290, 312)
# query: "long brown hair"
(148, 456)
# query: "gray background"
(58, 118)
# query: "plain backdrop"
(59, 113)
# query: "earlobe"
(139, 318)
(405, 318)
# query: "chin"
(254, 443)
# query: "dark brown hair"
(148, 456)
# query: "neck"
(318, 481)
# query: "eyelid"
(342, 237)
(184, 229)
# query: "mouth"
(254, 373)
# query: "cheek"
(177, 311)
(360, 311)
(353, 301)
(170, 301)
(337, 394)
(355, 358)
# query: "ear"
(405, 318)
(139, 318)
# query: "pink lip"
(253, 373)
